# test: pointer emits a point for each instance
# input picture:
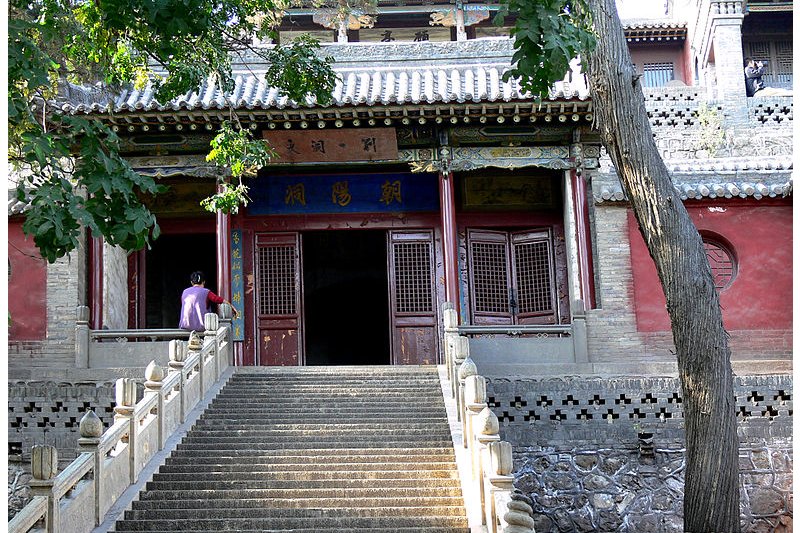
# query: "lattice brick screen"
(412, 277)
(490, 276)
(534, 284)
(277, 277)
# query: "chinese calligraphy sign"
(362, 144)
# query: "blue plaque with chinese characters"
(237, 284)
(344, 193)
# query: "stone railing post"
(460, 353)
(91, 429)
(226, 321)
(154, 376)
(475, 401)
(177, 358)
(44, 467)
(519, 518)
(124, 410)
(486, 431)
(82, 337)
(194, 345)
(211, 323)
(450, 321)
(466, 369)
(499, 484)
(580, 343)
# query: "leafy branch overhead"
(547, 36)
(69, 169)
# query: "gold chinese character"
(295, 194)
(341, 193)
(237, 254)
(236, 237)
(237, 298)
(237, 332)
(237, 265)
(237, 278)
(391, 192)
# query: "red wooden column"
(224, 255)
(580, 203)
(449, 237)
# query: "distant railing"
(77, 499)
(122, 348)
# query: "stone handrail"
(503, 509)
(77, 499)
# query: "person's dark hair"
(748, 60)
(197, 278)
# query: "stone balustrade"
(504, 510)
(77, 499)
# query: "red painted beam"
(449, 237)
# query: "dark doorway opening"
(346, 302)
(169, 263)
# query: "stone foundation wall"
(607, 454)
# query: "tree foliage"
(592, 29)
(69, 168)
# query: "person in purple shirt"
(195, 302)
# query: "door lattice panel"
(277, 280)
(490, 275)
(532, 261)
(412, 277)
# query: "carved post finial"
(125, 392)
(211, 322)
(90, 427)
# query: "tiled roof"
(454, 72)
(708, 189)
(715, 178)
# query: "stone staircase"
(312, 449)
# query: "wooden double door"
(345, 297)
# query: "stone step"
(216, 424)
(295, 485)
(141, 510)
(380, 453)
(284, 524)
(312, 403)
(292, 505)
(343, 496)
(309, 475)
(247, 412)
(269, 464)
(314, 443)
(315, 431)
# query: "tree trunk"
(712, 480)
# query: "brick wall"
(65, 291)
(612, 331)
(50, 413)
(115, 287)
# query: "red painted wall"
(27, 287)
(760, 235)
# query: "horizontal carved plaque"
(367, 144)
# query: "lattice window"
(532, 261)
(723, 265)
(780, 56)
(412, 277)
(490, 275)
(277, 280)
(658, 74)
